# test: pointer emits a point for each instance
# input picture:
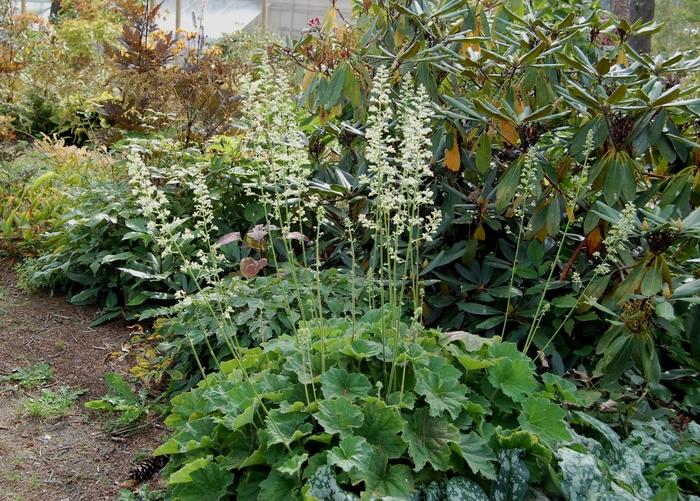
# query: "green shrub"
(103, 249)
(34, 188)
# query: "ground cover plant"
(457, 259)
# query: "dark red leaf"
(228, 238)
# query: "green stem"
(512, 275)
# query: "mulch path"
(73, 457)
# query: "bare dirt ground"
(67, 458)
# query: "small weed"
(142, 494)
(24, 272)
(31, 376)
(11, 476)
(140, 456)
(60, 345)
(52, 403)
(129, 407)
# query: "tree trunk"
(55, 9)
(643, 9)
(620, 8)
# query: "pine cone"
(148, 468)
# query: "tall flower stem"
(540, 312)
(527, 187)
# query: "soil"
(73, 457)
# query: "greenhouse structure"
(284, 17)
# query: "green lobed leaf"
(360, 349)
(339, 383)
(184, 406)
(183, 475)
(351, 452)
(477, 453)
(514, 378)
(339, 416)
(208, 484)
(293, 465)
(521, 439)
(545, 419)
(429, 439)
(195, 435)
(120, 391)
(442, 390)
(287, 427)
(277, 488)
(396, 481)
(565, 388)
(381, 427)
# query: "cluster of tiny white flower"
(151, 200)
(576, 280)
(153, 204)
(203, 213)
(276, 147)
(619, 233)
(396, 181)
(617, 237)
(529, 179)
(304, 338)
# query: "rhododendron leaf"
(452, 156)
